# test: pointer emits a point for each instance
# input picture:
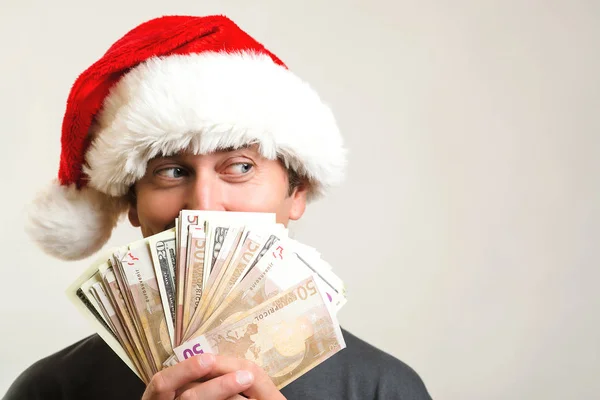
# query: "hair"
(294, 180)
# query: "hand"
(210, 377)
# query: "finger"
(219, 388)
(240, 397)
(262, 388)
(226, 364)
(195, 384)
(165, 383)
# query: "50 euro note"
(195, 277)
(164, 257)
(335, 289)
(143, 286)
(130, 309)
(201, 217)
(247, 260)
(224, 245)
(98, 290)
(214, 240)
(286, 336)
(248, 251)
(86, 290)
(118, 301)
(255, 244)
(75, 295)
(278, 270)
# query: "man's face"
(239, 180)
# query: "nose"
(206, 193)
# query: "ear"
(133, 216)
(298, 205)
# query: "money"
(334, 289)
(277, 271)
(130, 309)
(106, 305)
(202, 283)
(265, 248)
(143, 286)
(194, 283)
(255, 244)
(254, 290)
(118, 301)
(94, 289)
(227, 247)
(183, 222)
(77, 298)
(93, 303)
(197, 217)
(286, 336)
(163, 251)
(243, 259)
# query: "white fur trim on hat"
(71, 223)
(209, 101)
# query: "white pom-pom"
(70, 223)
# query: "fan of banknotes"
(227, 283)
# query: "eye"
(172, 172)
(239, 168)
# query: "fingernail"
(243, 377)
(206, 360)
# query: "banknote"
(307, 251)
(286, 336)
(164, 250)
(78, 299)
(193, 284)
(191, 228)
(143, 285)
(265, 248)
(214, 241)
(229, 283)
(93, 303)
(335, 290)
(118, 301)
(101, 296)
(195, 217)
(94, 290)
(228, 246)
(219, 218)
(121, 279)
(278, 270)
(185, 219)
(273, 233)
(122, 283)
(217, 240)
(241, 262)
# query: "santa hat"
(175, 83)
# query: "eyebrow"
(232, 148)
(220, 150)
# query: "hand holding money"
(225, 288)
(212, 377)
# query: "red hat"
(175, 83)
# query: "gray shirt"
(89, 369)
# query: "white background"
(468, 228)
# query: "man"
(192, 113)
